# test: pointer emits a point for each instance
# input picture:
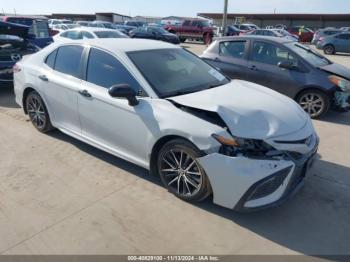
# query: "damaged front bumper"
(342, 101)
(246, 184)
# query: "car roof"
(124, 45)
(91, 29)
(281, 40)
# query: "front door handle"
(85, 93)
(43, 78)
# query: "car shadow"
(315, 221)
(7, 97)
(336, 118)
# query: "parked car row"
(161, 107)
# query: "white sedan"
(163, 108)
(88, 33)
(64, 27)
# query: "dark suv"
(39, 30)
(14, 44)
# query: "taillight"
(16, 68)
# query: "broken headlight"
(340, 82)
(241, 146)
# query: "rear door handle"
(43, 78)
(85, 93)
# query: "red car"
(305, 34)
(197, 29)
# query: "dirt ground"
(61, 196)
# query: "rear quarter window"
(50, 60)
(68, 60)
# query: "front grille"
(270, 185)
(307, 141)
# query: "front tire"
(180, 171)
(38, 113)
(314, 102)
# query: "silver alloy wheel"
(36, 112)
(312, 103)
(182, 173)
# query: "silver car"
(163, 108)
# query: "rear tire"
(329, 50)
(38, 113)
(180, 171)
(314, 102)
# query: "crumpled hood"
(249, 110)
(337, 69)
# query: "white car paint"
(249, 110)
(91, 30)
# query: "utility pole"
(224, 18)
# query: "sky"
(173, 7)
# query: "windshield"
(110, 34)
(176, 72)
(309, 55)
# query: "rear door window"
(68, 60)
(235, 49)
(344, 36)
(40, 29)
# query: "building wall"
(314, 24)
(120, 18)
(104, 18)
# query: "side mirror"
(286, 64)
(124, 91)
